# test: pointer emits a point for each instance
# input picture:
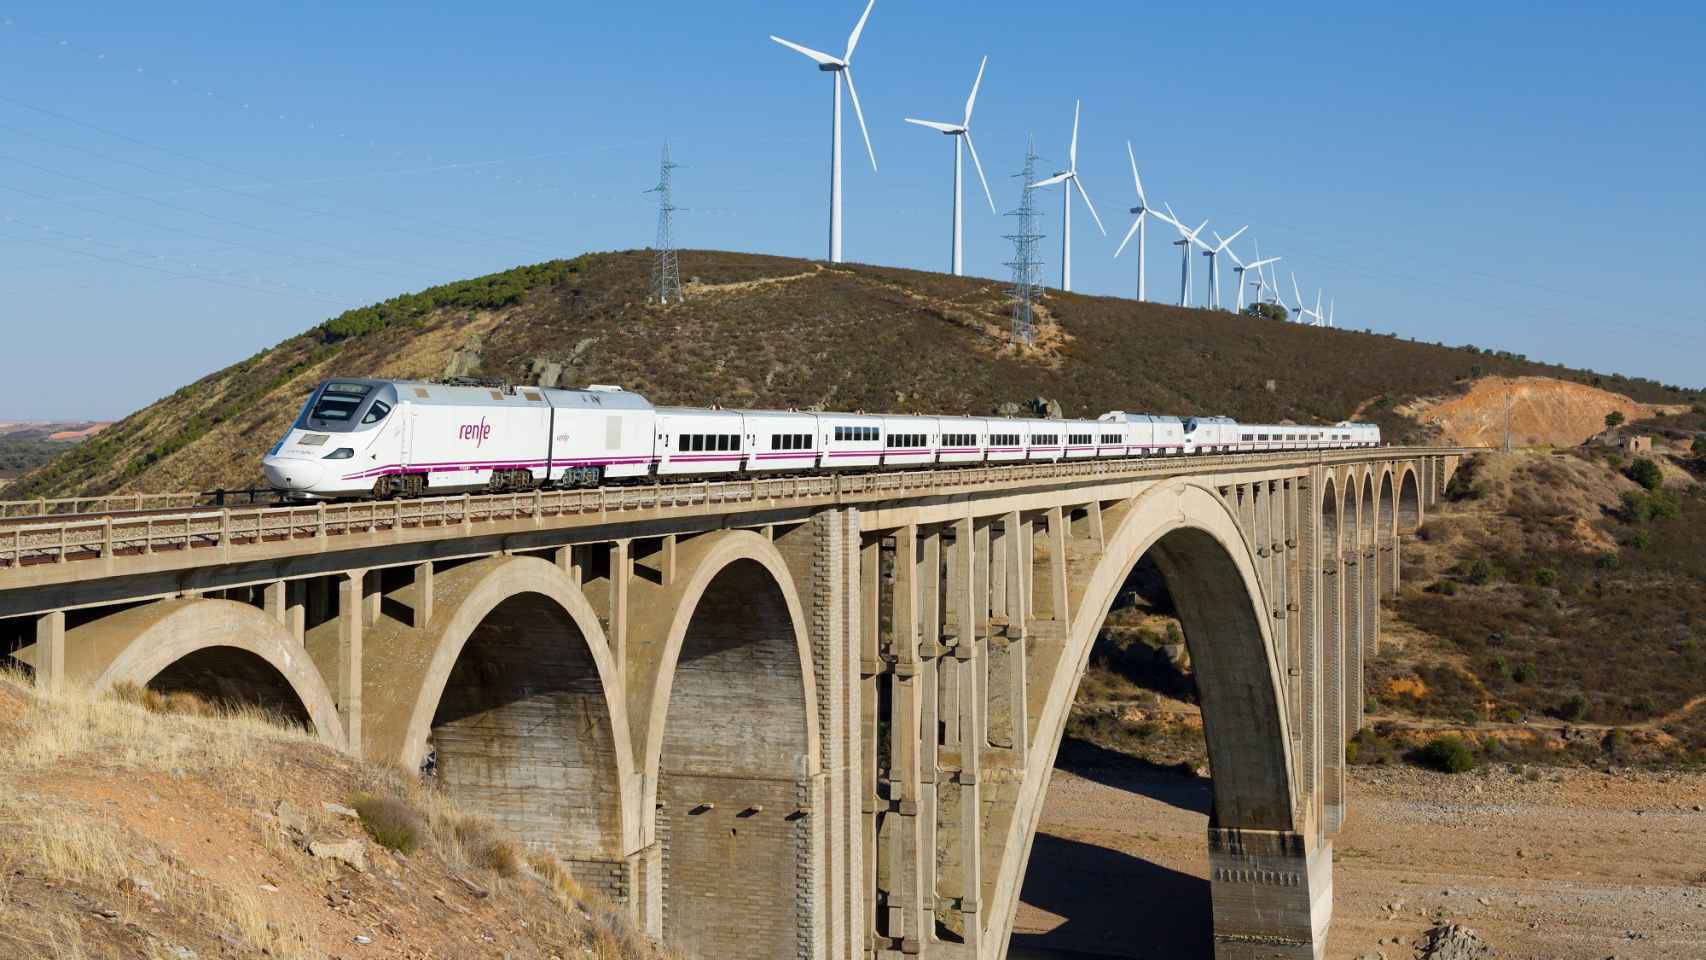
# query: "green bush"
(1447, 588)
(1646, 473)
(1545, 577)
(1523, 672)
(391, 823)
(1641, 540)
(1482, 572)
(1448, 754)
(1614, 419)
(1608, 561)
(1574, 708)
(1699, 446)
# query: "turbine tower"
(1069, 177)
(838, 66)
(1302, 310)
(962, 132)
(1137, 226)
(1187, 238)
(1213, 254)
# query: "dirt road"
(1574, 865)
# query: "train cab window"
(377, 412)
(337, 403)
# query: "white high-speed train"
(383, 438)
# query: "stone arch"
(219, 650)
(1369, 510)
(1195, 539)
(732, 750)
(1409, 499)
(515, 688)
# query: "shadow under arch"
(220, 650)
(514, 693)
(1196, 542)
(732, 751)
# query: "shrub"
(1574, 708)
(391, 823)
(1545, 577)
(1481, 572)
(1646, 473)
(1511, 715)
(1522, 672)
(1608, 561)
(1351, 751)
(1699, 445)
(1447, 588)
(1371, 704)
(1641, 540)
(1614, 419)
(1448, 754)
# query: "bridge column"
(907, 910)
(932, 678)
(50, 656)
(960, 805)
(352, 607)
(870, 668)
(1272, 892)
(1057, 594)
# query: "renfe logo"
(477, 432)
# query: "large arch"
(514, 695)
(731, 750)
(1211, 570)
(219, 650)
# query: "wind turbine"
(1320, 318)
(1262, 285)
(1137, 226)
(1213, 254)
(962, 131)
(1069, 177)
(1187, 238)
(1239, 267)
(838, 66)
(1302, 311)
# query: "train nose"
(293, 475)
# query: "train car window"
(377, 413)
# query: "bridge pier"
(1272, 893)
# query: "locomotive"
(385, 438)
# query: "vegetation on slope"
(778, 332)
(165, 829)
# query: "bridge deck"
(58, 549)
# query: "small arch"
(1409, 500)
(219, 650)
(515, 689)
(1384, 529)
(1368, 529)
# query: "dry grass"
(88, 870)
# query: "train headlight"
(341, 453)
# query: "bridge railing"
(65, 531)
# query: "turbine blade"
(1051, 181)
(1198, 230)
(1072, 154)
(1295, 292)
(1128, 235)
(1087, 203)
(1235, 235)
(975, 84)
(818, 55)
(1142, 201)
(857, 112)
(853, 39)
(934, 125)
(979, 165)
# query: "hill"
(162, 827)
(776, 332)
(28, 444)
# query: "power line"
(666, 269)
(1027, 269)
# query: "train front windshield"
(336, 408)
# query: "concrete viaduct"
(803, 718)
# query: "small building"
(1637, 444)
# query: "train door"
(407, 431)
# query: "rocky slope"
(777, 332)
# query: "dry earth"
(1572, 865)
(1543, 412)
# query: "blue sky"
(182, 185)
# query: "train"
(379, 438)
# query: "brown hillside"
(128, 832)
(768, 331)
(1543, 412)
